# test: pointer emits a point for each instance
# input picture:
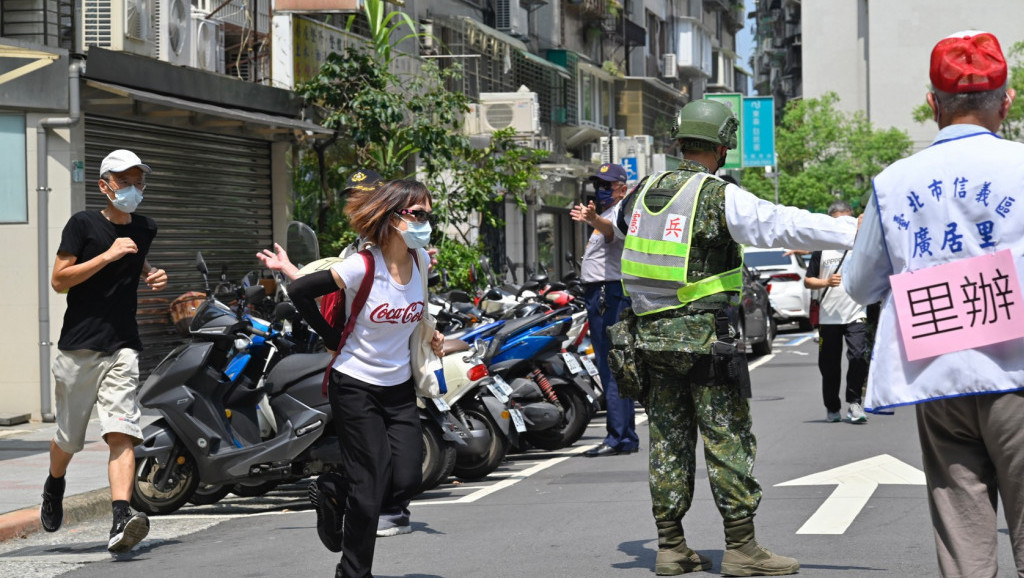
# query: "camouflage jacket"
(691, 328)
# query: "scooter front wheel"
(155, 490)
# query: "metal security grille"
(207, 192)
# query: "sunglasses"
(418, 215)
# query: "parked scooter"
(482, 403)
(209, 429)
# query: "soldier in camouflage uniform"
(675, 348)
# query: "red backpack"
(332, 307)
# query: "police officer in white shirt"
(601, 274)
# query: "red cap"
(969, 61)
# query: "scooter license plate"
(517, 419)
(571, 363)
(502, 385)
(591, 368)
(441, 404)
(497, 393)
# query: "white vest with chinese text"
(957, 199)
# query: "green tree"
(1013, 126)
(405, 127)
(825, 155)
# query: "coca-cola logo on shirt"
(384, 313)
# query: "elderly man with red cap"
(944, 224)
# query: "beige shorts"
(109, 381)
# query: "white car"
(784, 277)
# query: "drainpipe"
(43, 266)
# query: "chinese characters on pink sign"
(958, 306)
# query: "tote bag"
(427, 369)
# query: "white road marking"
(855, 484)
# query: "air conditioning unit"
(125, 25)
(207, 43)
(519, 110)
(238, 13)
(669, 69)
(174, 31)
(511, 18)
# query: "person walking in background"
(840, 318)
(100, 261)
(602, 291)
(682, 268)
(941, 239)
(371, 390)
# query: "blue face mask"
(415, 235)
(127, 199)
(605, 198)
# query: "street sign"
(758, 131)
(735, 102)
(855, 483)
(630, 164)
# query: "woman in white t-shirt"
(371, 391)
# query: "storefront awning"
(205, 113)
(546, 64)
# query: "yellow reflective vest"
(656, 252)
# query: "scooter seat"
(296, 367)
(454, 346)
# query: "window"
(13, 185)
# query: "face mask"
(416, 235)
(127, 199)
(605, 198)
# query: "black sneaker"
(127, 532)
(51, 513)
(327, 494)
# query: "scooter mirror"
(201, 263)
(301, 243)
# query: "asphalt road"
(548, 514)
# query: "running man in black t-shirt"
(101, 258)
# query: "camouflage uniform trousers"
(677, 409)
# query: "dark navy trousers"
(621, 419)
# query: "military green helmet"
(707, 120)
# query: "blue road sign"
(629, 163)
(758, 131)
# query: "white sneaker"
(833, 417)
(856, 414)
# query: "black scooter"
(210, 430)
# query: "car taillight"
(784, 277)
(477, 372)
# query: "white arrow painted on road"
(855, 483)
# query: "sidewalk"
(24, 460)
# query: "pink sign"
(959, 305)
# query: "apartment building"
(201, 89)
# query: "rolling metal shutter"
(207, 192)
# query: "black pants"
(382, 454)
(830, 362)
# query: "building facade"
(874, 55)
(201, 89)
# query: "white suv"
(784, 276)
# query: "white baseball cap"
(121, 160)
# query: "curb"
(77, 508)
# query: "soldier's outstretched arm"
(759, 223)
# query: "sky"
(745, 47)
